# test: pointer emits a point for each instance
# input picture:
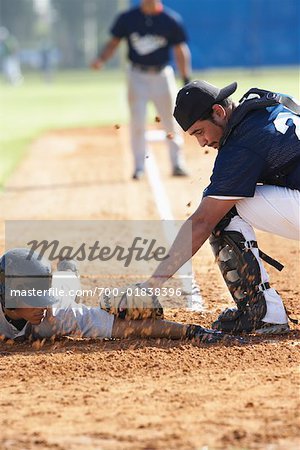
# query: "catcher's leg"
(274, 209)
(259, 307)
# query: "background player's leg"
(137, 99)
(163, 95)
(274, 209)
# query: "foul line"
(195, 301)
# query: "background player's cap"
(197, 98)
(23, 270)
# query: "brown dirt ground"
(142, 394)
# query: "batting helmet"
(26, 278)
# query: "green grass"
(79, 99)
(73, 100)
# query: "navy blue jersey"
(263, 144)
(149, 38)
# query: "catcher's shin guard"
(241, 272)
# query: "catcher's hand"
(134, 303)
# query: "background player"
(9, 57)
(151, 30)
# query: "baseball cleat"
(273, 328)
(137, 175)
(179, 172)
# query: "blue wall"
(241, 33)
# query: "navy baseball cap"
(24, 271)
(197, 98)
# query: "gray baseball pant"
(160, 88)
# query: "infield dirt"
(143, 394)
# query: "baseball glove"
(132, 303)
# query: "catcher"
(255, 182)
(37, 315)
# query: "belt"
(148, 69)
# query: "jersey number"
(281, 123)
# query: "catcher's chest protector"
(256, 99)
